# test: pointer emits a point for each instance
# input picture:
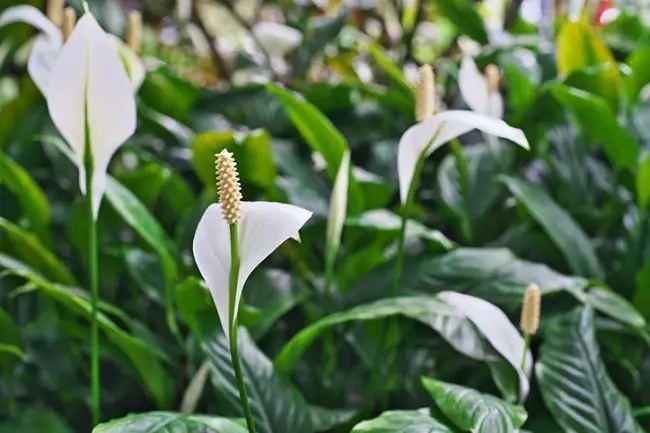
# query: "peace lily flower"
(49, 42)
(338, 208)
(277, 40)
(480, 92)
(90, 96)
(434, 130)
(261, 226)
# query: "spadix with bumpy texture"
(228, 187)
(262, 228)
(531, 310)
(424, 94)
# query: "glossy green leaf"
(639, 63)
(559, 226)
(252, 151)
(277, 406)
(474, 412)
(319, 132)
(579, 45)
(402, 421)
(619, 145)
(447, 320)
(140, 219)
(146, 360)
(170, 422)
(321, 30)
(30, 195)
(616, 307)
(10, 345)
(324, 419)
(389, 67)
(465, 17)
(35, 419)
(643, 184)
(574, 382)
(26, 247)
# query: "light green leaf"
(616, 307)
(31, 197)
(26, 247)
(402, 421)
(465, 17)
(574, 382)
(643, 184)
(639, 63)
(276, 405)
(170, 422)
(474, 412)
(559, 226)
(324, 419)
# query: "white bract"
(338, 203)
(476, 92)
(263, 227)
(277, 40)
(90, 97)
(49, 42)
(425, 137)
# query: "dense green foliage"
(572, 215)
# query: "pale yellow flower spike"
(134, 31)
(424, 94)
(531, 309)
(228, 187)
(69, 21)
(55, 11)
(493, 78)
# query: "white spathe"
(264, 226)
(441, 128)
(474, 89)
(89, 87)
(338, 203)
(48, 44)
(277, 40)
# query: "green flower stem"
(526, 346)
(329, 341)
(234, 343)
(94, 288)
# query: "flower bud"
(493, 78)
(531, 309)
(228, 187)
(424, 94)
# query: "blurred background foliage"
(572, 215)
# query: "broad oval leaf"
(560, 227)
(35, 419)
(170, 422)
(402, 421)
(574, 382)
(475, 412)
(277, 406)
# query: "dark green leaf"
(276, 405)
(616, 307)
(10, 345)
(320, 31)
(170, 422)
(402, 421)
(465, 17)
(475, 412)
(35, 419)
(573, 380)
(643, 184)
(639, 63)
(324, 419)
(559, 226)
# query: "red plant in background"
(606, 12)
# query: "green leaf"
(31, 197)
(140, 219)
(402, 421)
(388, 66)
(616, 307)
(10, 345)
(474, 412)
(559, 226)
(574, 382)
(643, 184)
(465, 17)
(277, 406)
(321, 30)
(196, 307)
(170, 422)
(493, 274)
(321, 135)
(35, 419)
(639, 63)
(579, 45)
(324, 419)
(252, 152)
(26, 247)
(446, 319)
(619, 145)
(145, 359)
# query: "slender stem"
(526, 346)
(234, 343)
(10, 395)
(94, 288)
(330, 346)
